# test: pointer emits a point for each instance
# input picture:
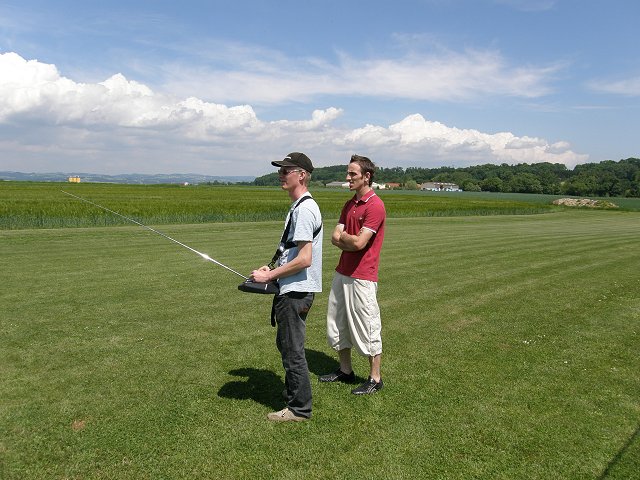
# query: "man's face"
(289, 177)
(355, 178)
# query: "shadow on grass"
(260, 385)
(265, 387)
(320, 363)
(623, 459)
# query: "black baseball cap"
(295, 159)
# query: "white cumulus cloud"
(31, 89)
(418, 137)
(49, 122)
(319, 119)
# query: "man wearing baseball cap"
(295, 159)
(298, 271)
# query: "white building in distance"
(440, 187)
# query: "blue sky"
(223, 88)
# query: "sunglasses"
(284, 172)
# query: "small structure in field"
(584, 202)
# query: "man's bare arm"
(300, 262)
(351, 243)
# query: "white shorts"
(353, 316)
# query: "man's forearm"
(347, 242)
(288, 269)
(300, 262)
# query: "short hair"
(307, 178)
(366, 166)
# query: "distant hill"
(131, 178)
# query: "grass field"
(510, 352)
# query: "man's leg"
(338, 332)
(374, 367)
(345, 360)
(374, 382)
(291, 315)
(365, 324)
(337, 327)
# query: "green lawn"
(511, 351)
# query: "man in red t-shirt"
(353, 316)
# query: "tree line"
(604, 179)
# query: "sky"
(224, 88)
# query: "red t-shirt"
(368, 212)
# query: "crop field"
(43, 205)
(510, 341)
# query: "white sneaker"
(285, 415)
